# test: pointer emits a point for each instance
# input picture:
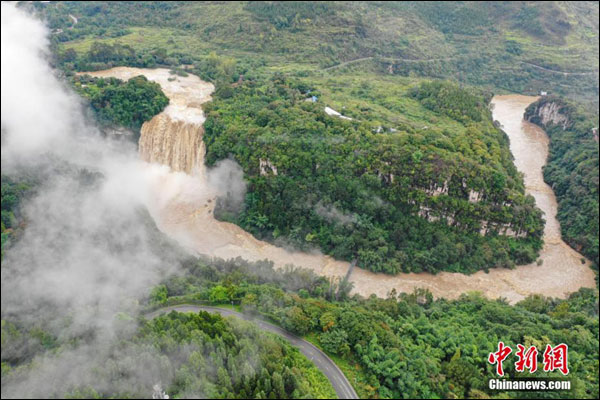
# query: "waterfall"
(185, 204)
(175, 143)
(173, 137)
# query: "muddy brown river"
(182, 205)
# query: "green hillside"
(517, 46)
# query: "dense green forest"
(516, 46)
(572, 170)
(127, 104)
(232, 359)
(405, 346)
(409, 345)
(12, 222)
(198, 354)
(399, 200)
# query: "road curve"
(342, 387)
(559, 72)
(388, 59)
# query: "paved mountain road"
(342, 387)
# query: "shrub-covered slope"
(518, 46)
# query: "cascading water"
(173, 137)
(185, 201)
(177, 144)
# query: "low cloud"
(334, 215)
(90, 249)
(226, 178)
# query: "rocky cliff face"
(549, 111)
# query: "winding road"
(565, 73)
(74, 19)
(342, 387)
(387, 59)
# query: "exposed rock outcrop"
(549, 111)
(267, 167)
